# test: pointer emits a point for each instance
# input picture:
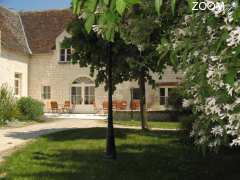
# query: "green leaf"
(90, 5)
(106, 2)
(158, 5)
(231, 76)
(173, 6)
(190, 4)
(121, 6)
(132, 2)
(221, 41)
(89, 22)
(76, 6)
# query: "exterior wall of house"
(11, 63)
(45, 70)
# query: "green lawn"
(152, 124)
(78, 154)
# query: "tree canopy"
(106, 15)
(206, 46)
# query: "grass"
(78, 154)
(152, 124)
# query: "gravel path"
(11, 138)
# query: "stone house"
(33, 63)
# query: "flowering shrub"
(206, 45)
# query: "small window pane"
(69, 53)
(76, 95)
(162, 91)
(17, 84)
(89, 95)
(62, 55)
(162, 100)
(46, 94)
(136, 94)
(163, 97)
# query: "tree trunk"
(110, 149)
(143, 102)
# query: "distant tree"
(144, 28)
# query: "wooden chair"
(105, 105)
(54, 106)
(122, 105)
(67, 106)
(135, 105)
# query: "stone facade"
(12, 63)
(45, 70)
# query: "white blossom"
(234, 37)
(187, 103)
(217, 131)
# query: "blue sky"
(26, 5)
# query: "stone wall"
(11, 63)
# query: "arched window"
(84, 80)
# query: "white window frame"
(19, 88)
(46, 95)
(65, 55)
(83, 95)
(166, 95)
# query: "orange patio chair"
(105, 105)
(54, 106)
(135, 105)
(122, 105)
(67, 106)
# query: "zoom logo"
(208, 5)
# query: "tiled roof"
(12, 31)
(42, 28)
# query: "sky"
(32, 5)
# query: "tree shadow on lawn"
(100, 133)
(146, 158)
(32, 134)
(97, 134)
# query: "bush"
(8, 108)
(176, 98)
(187, 123)
(29, 108)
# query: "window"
(89, 95)
(17, 84)
(65, 55)
(162, 96)
(165, 94)
(46, 92)
(136, 94)
(76, 95)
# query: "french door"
(83, 98)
